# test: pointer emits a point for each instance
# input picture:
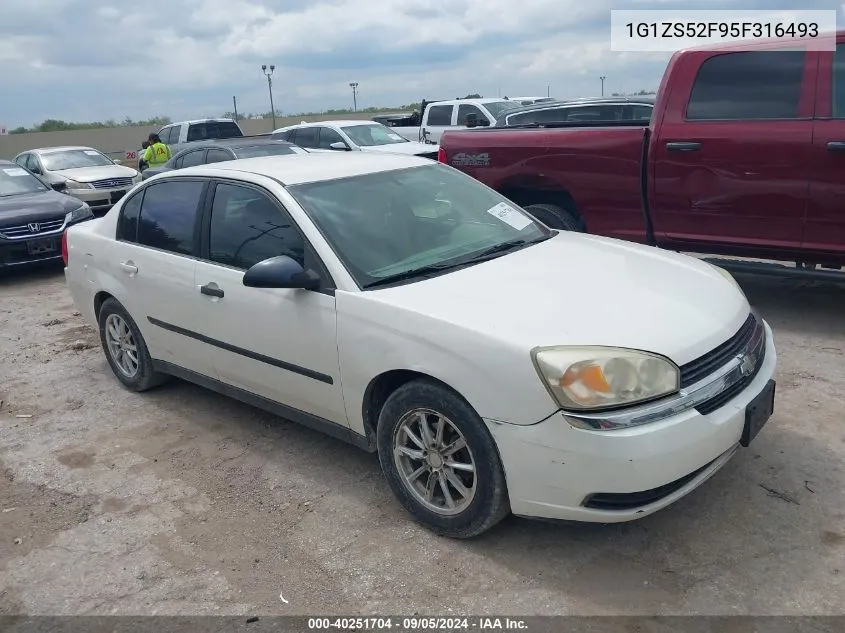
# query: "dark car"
(225, 149)
(33, 217)
(594, 110)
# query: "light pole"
(603, 77)
(270, 87)
(354, 86)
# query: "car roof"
(238, 141)
(62, 148)
(212, 120)
(552, 105)
(336, 122)
(822, 42)
(294, 169)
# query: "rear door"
(438, 119)
(155, 257)
(825, 228)
(732, 153)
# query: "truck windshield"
(74, 159)
(372, 135)
(388, 224)
(497, 107)
(16, 180)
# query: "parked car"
(402, 306)
(223, 150)
(353, 136)
(176, 135)
(82, 172)
(439, 116)
(743, 156)
(610, 109)
(32, 217)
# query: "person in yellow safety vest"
(157, 154)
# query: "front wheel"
(440, 460)
(556, 217)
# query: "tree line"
(57, 125)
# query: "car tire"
(556, 217)
(479, 497)
(125, 348)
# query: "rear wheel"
(440, 460)
(556, 217)
(125, 348)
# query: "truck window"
(465, 109)
(838, 110)
(748, 85)
(439, 115)
(213, 130)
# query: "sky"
(88, 60)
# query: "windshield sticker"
(510, 216)
(91, 152)
(16, 171)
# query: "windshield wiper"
(501, 249)
(413, 273)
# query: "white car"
(493, 363)
(82, 172)
(356, 136)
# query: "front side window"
(168, 215)
(74, 159)
(329, 136)
(465, 109)
(247, 227)
(372, 135)
(396, 222)
(15, 180)
(748, 85)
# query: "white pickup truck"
(439, 116)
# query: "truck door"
(825, 227)
(731, 155)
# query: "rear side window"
(218, 156)
(191, 159)
(748, 85)
(287, 135)
(307, 137)
(439, 115)
(127, 223)
(839, 82)
(169, 214)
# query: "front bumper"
(42, 247)
(556, 471)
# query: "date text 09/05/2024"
(732, 30)
(411, 624)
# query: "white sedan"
(353, 136)
(495, 365)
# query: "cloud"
(83, 60)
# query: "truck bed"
(599, 166)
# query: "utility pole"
(270, 87)
(548, 91)
(235, 104)
(603, 77)
(354, 86)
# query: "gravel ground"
(179, 501)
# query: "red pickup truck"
(744, 156)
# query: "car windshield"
(73, 159)
(268, 149)
(16, 180)
(389, 224)
(497, 107)
(371, 135)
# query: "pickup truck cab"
(439, 116)
(744, 156)
(176, 135)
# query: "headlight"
(585, 378)
(81, 213)
(72, 184)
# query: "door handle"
(836, 146)
(683, 146)
(211, 291)
(128, 267)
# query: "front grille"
(705, 365)
(112, 183)
(633, 500)
(32, 229)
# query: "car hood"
(30, 207)
(90, 174)
(576, 289)
(411, 147)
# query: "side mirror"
(340, 146)
(281, 272)
(482, 122)
(59, 186)
(472, 119)
(117, 161)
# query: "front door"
(277, 343)
(732, 153)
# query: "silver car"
(82, 172)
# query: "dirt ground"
(180, 501)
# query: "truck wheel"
(440, 460)
(126, 351)
(555, 217)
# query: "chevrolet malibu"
(494, 364)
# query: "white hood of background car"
(577, 289)
(411, 147)
(90, 174)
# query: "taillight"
(441, 156)
(64, 247)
